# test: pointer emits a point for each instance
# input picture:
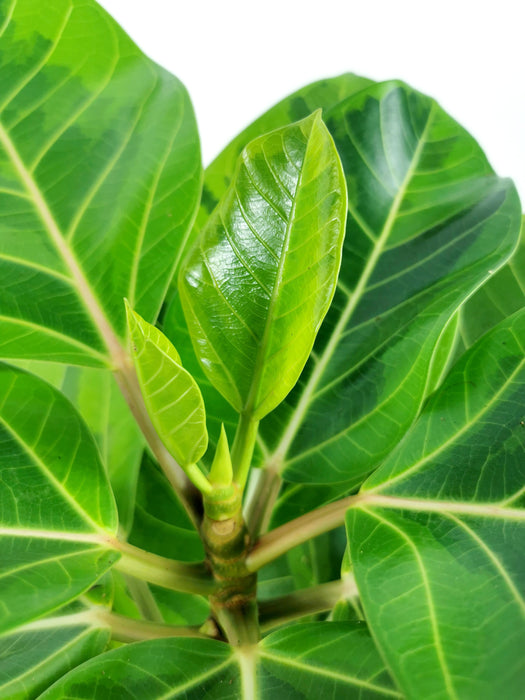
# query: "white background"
(237, 58)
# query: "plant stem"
(317, 599)
(188, 494)
(143, 598)
(178, 576)
(259, 509)
(127, 629)
(227, 543)
(240, 624)
(243, 446)
(295, 532)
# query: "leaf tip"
(221, 473)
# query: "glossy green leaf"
(57, 512)
(323, 94)
(172, 397)
(303, 661)
(258, 284)
(36, 654)
(99, 181)
(437, 543)
(218, 410)
(427, 221)
(499, 297)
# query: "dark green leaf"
(428, 221)
(303, 661)
(55, 520)
(499, 297)
(437, 544)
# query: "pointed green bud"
(221, 473)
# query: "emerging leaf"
(171, 395)
(258, 284)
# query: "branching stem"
(189, 496)
(178, 576)
(295, 532)
(317, 599)
(127, 629)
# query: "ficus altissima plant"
(262, 428)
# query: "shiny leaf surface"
(54, 519)
(34, 655)
(99, 181)
(256, 287)
(303, 661)
(323, 94)
(437, 546)
(427, 221)
(172, 397)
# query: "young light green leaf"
(437, 545)
(309, 660)
(56, 521)
(221, 472)
(323, 94)
(172, 397)
(258, 284)
(427, 222)
(101, 174)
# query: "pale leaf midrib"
(304, 402)
(493, 558)
(315, 670)
(487, 406)
(259, 363)
(438, 645)
(85, 293)
(48, 474)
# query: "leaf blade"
(55, 520)
(442, 563)
(76, 118)
(256, 234)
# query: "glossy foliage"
(258, 283)
(303, 661)
(100, 173)
(427, 221)
(171, 395)
(402, 398)
(440, 572)
(57, 506)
